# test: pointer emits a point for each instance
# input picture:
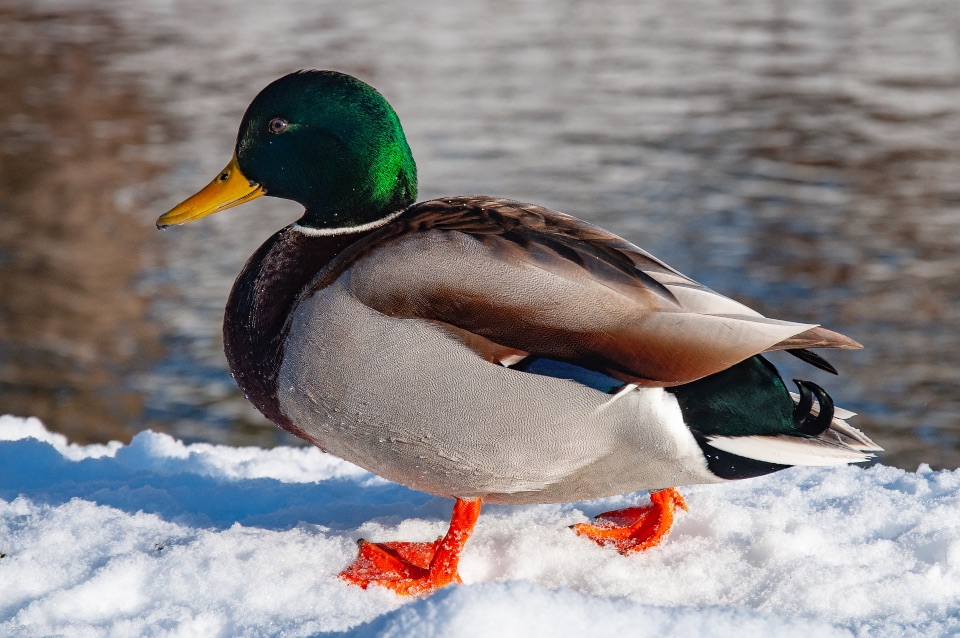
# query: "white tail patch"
(845, 434)
(789, 450)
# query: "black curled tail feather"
(803, 417)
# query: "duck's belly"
(407, 401)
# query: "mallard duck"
(488, 350)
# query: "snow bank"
(160, 538)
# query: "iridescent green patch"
(331, 143)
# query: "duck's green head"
(323, 139)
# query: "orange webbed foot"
(393, 562)
(415, 568)
(635, 529)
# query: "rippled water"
(801, 157)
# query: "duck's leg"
(636, 528)
(415, 568)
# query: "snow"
(159, 538)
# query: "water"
(800, 157)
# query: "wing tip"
(818, 337)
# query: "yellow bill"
(228, 189)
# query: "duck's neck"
(305, 226)
(264, 295)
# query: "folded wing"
(511, 279)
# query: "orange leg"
(415, 568)
(635, 529)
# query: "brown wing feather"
(530, 280)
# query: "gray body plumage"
(424, 410)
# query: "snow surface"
(158, 538)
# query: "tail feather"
(784, 449)
(839, 444)
(838, 413)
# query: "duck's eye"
(277, 125)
